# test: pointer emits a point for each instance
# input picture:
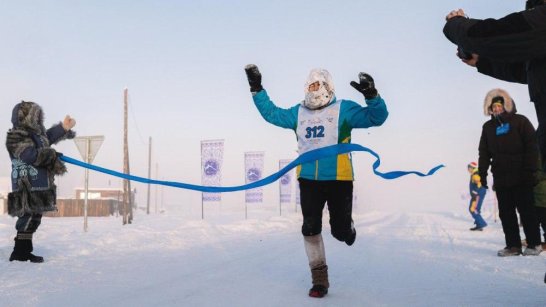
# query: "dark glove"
(366, 85)
(463, 54)
(254, 77)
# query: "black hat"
(497, 99)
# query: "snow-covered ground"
(399, 259)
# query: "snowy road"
(399, 259)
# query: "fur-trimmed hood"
(509, 105)
(28, 115)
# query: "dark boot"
(23, 248)
(32, 257)
(19, 251)
(320, 281)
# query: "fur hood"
(509, 105)
(28, 115)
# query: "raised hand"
(254, 77)
(68, 123)
(366, 85)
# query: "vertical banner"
(254, 168)
(212, 152)
(285, 183)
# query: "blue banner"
(304, 158)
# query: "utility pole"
(149, 174)
(127, 193)
(156, 176)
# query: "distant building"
(100, 202)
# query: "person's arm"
(529, 139)
(484, 159)
(285, 118)
(374, 114)
(514, 37)
(43, 157)
(511, 72)
(62, 130)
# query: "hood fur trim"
(509, 105)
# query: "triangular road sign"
(88, 146)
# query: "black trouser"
(28, 223)
(540, 108)
(541, 215)
(314, 194)
(522, 199)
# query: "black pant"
(540, 108)
(522, 199)
(541, 215)
(28, 223)
(314, 194)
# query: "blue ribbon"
(304, 158)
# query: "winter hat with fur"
(498, 95)
(28, 115)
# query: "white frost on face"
(325, 93)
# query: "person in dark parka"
(34, 165)
(512, 48)
(508, 146)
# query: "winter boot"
(33, 258)
(23, 248)
(19, 251)
(509, 251)
(320, 281)
(314, 247)
(532, 251)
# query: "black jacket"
(512, 156)
(512, 48)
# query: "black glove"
(366, 85)
(254, 77)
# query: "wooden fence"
(95, 207)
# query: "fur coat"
(34, 162)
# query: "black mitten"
(366, 85)
(254, 77)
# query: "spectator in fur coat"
(34, 166)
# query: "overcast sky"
(183, 61)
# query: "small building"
(100, 202)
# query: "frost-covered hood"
(324, 95)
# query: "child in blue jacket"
(477, 194)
